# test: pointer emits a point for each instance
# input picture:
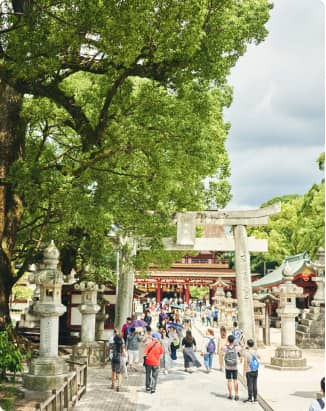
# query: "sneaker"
(230, 397)
(152, 391)
(148, 389)
(248, 400)
(166, 372)
(255, 400)
(236, 397)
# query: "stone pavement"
(175, 392)
(279, 390)
(287, 390)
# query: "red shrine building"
(206, 269)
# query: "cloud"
(263, 173)
(278, 112)
(279, 85)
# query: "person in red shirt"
(153, 352)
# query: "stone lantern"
(259, 315)
(47, 372)
(229, 310)
(288, 356)
(88, 349)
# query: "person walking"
(250, 370)
(209, 349)
(174, 342)
(231, 366)
(208, 313)
(189, 344)
(152, 355)
(237, 333)
(215, 317)
(166, 358)
(222, 341)
(125, 330)
(133, 340)
(118, 351)
(319, 404)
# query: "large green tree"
(107, 109)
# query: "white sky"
(278, 109)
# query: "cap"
(156, 335)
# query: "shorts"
(231, 374)
(133, 356)
(116, 366)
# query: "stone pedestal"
(288, 356)
(88, 350)
(47, 372)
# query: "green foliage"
(11, 358)
(299, 227)
(199, 292)
(22, 292)
(124, 114)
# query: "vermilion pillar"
(187, 293)
(158, 291)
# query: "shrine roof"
(294, 264)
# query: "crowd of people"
(171, 334)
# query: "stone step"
(305, 322)
(302, 328)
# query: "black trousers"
(252, 384)
(151, 376)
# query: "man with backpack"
(231, 366)
(250, 370)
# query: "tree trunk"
(12, 138)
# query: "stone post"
(243, 281)
(288, 356)
(48, 371)
(88, 350)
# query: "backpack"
(254, 363)
(211, 348)
(230, 357)
(321, 403)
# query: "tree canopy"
(109, 109)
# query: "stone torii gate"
(241, 244)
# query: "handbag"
(144, 363)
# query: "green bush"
(11, 359)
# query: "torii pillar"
(239, 220)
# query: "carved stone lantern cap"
(51, 256)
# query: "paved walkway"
(287, 390)
(279, 390)
(175, 392)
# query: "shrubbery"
(11, 359)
